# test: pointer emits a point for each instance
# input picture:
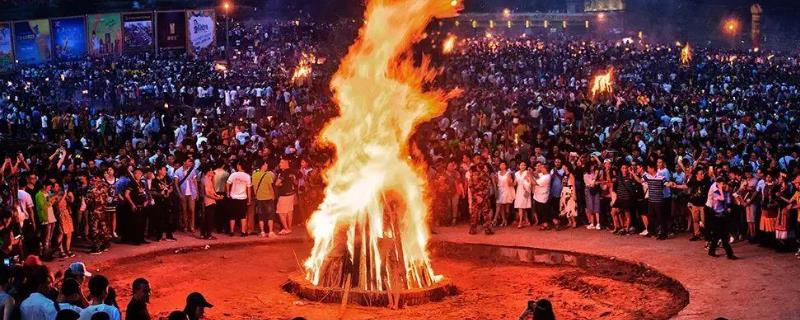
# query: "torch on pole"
(227, 7)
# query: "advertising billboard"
(32, 41)
(104, 34)
(603, 5)
(201, 28)
(171, 29)
(6, 48)
(137, 29)
(69, 38)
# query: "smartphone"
(7, 262)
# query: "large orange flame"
(374, 194)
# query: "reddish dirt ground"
(244, 283)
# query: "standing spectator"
(63, 199)
(522, 196)
(99, 291)
(163, 222)
(263, 180)
(44, 201)
(240, 192)
(655, 201)
(210, 198)
(135, 198)
(592, 196)
(718, 220)
(770, 204)
(698, 187)
(286, 189)
(112, 187)
(99, 233)
(186, 186)
(557, 176)
(541, 194)
(137, 307)
(505, 194)
(456, 191)
(479, 184)
(625, 190)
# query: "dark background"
(697, 20)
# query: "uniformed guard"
(480, 189)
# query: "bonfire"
(448, 45)
(303, 69)
(371, 233)
(603, 83)
(686, 54)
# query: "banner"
(138, 31)
(171, 29)
(603, 5)
(32, 41)
(202, 30)
(69, 38)
(105, 34)
(6, 48)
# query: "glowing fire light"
(303, 69)
(370, 232)
(686, 54)
(448, 45)
(603, 83)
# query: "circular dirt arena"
(243, 281)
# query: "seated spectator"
(99, 292)
(71, 297)
(38, 306)
(68, 315)
(196, 305)
(7, 302)
(137, 307)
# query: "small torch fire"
(449, 44)
(303, 69)
(686, 54)
(603, 83)
(371, 230)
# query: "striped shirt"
(655, 187)
(625, 188)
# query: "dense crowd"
(706, 147)
(155, 147)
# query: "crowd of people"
(705, 147)
(154, 147)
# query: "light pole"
(227, 7)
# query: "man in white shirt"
(37, 306)
(186, 185)
(240, 190)
(541, 193)
(24, 206)
(98, 290)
